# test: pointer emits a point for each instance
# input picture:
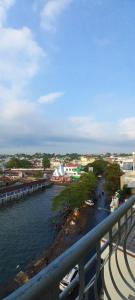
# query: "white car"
(89, 202)
(68, 278)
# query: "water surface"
(26, 229)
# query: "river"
(27, 229)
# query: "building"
(85, 160)
(128, 179)
(54, 162)
(72, 170)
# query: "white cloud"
(51, 11)
(4, 7)
(127, 128)
(19, 55)
(50, 97)
(89, 128)
(14, 110)
(20, 58)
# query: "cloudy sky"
(67, 76)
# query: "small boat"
(89, 202)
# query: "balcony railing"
(88, 254)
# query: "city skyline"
(67, 76)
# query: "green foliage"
(73, 156)
(18, 163)
(74, 195)
(112, 178)
(125, 193)
(46, 162)
(99, 167)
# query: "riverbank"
(71, 231)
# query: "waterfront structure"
(128, 179)
(17, 192)
(108, 272)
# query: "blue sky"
(67, 76)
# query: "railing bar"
(109, 264)
(125, 253)
(98, 263)
(120, 272)
(72, 285)
(110, 241)
(119, 230)
(86, 296)
(104, 286)
(112, 279)
(88, 286)
(126, 224)
(131, 213)
(81, 279)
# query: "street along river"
(27, 229)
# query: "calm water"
(26, 229)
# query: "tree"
(124, 193)
(18, 163)
(99, 167)
(46, 162)
(74, 195)
(112, 178)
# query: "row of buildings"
(60, 166)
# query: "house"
(72, 170)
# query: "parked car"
(89, 202)
(68, 278)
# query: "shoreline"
(71, 230)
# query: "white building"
(71, 170)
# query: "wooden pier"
(17, 192)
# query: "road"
(97, 213)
